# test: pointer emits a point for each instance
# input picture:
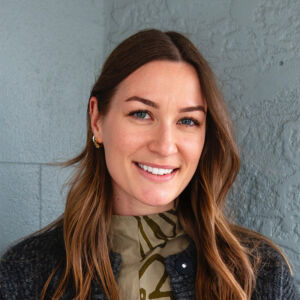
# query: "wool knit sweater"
(25, 268)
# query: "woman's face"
(153, 136)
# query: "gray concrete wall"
(50, 54)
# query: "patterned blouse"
(144, 242)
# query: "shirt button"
(183, 267)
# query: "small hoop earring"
(97, 145)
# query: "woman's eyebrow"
(155, 105)
(145, 101)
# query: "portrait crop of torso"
(150, 150)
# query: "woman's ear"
(95, 119)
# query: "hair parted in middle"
(224, 270)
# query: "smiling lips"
(155, 172)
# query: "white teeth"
(155, 171)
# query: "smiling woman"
(144, 214)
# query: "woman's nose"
(163, 141)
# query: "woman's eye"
(189, 122)
(140, 114)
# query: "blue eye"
(189, 122)
(140, 114)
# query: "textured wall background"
(51, 52)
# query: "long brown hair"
(224, 270)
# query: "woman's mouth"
(155, 171)
(152, 172)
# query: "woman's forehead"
(159, 80)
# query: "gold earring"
(97, 145)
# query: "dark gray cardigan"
(25, 268)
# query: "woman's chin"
(157, 206)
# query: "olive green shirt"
(144, 242)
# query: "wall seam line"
(24, 163)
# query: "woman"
(144, 213)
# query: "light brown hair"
(224, 270)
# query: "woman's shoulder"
(29, 262)
(49, 242)
(274, 277)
